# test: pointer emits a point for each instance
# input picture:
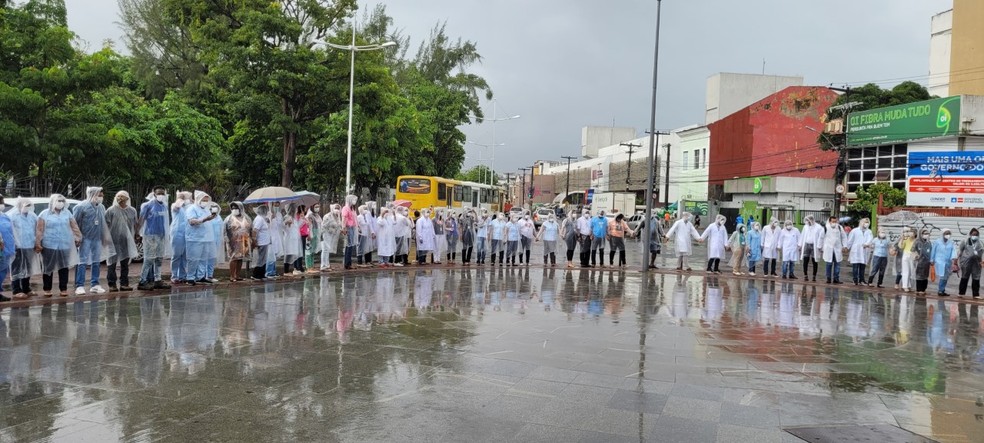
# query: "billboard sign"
(952, 179)
(912, 121)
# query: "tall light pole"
(567, 193)
(652, 147)
(353, 48)
(489, 172)
(495, 118)
(522, 188)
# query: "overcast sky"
(565, 64)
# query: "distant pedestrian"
(923, 254)
(121, 220)
(969, 259)
(943, 260)
(754, 247)
(656, 234)
(859, 242)
(23, 262)
(152, 226)
(90, 217)
(789, 241)
(770, 247)
(716, 236)
(739, 249)
(549, 233)
(879, 259)
(683, 233)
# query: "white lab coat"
(716, 236)
(386, 236)
(811, 235)
(682, 233)
(833, 244)
(426, 240)
(858, 242)
(770, 242)
(789, 241)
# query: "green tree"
(478, 174)
(868, 197)
(870, 96)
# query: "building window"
(686, 159)
(705, 159)
(696, 158)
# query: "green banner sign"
(912, 121)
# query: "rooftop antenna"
(763, 66)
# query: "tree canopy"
(244, 94)
(870, 96)
(868, 197)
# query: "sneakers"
(126, 288)
(145, 287)
(213, 280)
(161, 285)
(296, 272)
(751, 274)
(80, 290)
(95, 290)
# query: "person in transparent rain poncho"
(549, 233)
(293, 251)
(331, 230)
(386, 236)
(121, 219)
(404, 232)
(179, 226)
(683, 233)
(56, 239)
(199, 238)
(466, 229)
(426, 240)
(313, 245)
(218, 242)
(23, 260)
(8, 249)
(152, 225)
(90, 217)
(238, 234)
(262, 240)
(277, 231)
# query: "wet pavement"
(514, 354)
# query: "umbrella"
(307, 198)
(404, 203)
(269, 194)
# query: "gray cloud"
(564, 64)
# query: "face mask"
(865, 225)
(203, 205)
(235, 212)
(973, 238)
(336, 211)
(97, 200)
(276, 209)
(809, 222)
(881, 235)
(160, 198)
(925, 236)
(946, 237)
(756, 228)
(789, 227)
(215, 210)
(742, 229)
(25, 209)
(60, 205)
(316, 210)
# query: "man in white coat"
(833, 249)
(386, 236)
(770, 247)
(859, 242)
(425, 236)
(810, 242)
(716, 236)
(682, 233)
(789, 241)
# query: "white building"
(729, 92)
(941, 35)
(593, 138)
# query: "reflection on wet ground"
(482, 355)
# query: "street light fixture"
(495, 118)
(353, 48)
(486, 146)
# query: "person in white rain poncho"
(440, 237)
(466, 230)
(57, 238)
(682, 233)
(263, 239)
(482, 235)
(386, 236)
(179, 225)
(121, 219)
(770, 247)
(810, 242)
(716, 236)
(549, 232)
(365, 221)
(313, 245)
(331, 229)
(860, 243)
(25, 261)
(90, 216)
(277, 232)
(153, 229)
(789, 241)
(833, 249)
(404, 232)
(218, 242)
(425, 236)
(293, 250)
(200, 237)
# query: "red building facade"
(770, 138)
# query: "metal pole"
(348, 155)
(652, 149)
(567, 193)
(666, 185)
(492, 160)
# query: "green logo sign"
(757, 185)
(912, 121)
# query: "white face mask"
(865, 225)
(882, 235)
(203, 205)
(236, 212)
(925, 236)
(946, 236)
(215, 210)
(789, 227)
(25, 209)
(276, 209)
(97, 200)
(160, 198)
(60, 205)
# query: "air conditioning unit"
(828, 204)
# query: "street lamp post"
(353, 48)
(522, 189)
(495, 118)
(486, 146)
(652, 147)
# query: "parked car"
(634, 221)
(541, 215)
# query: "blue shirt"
(754, 245)
(881, 246)
(57, 230)
(497, 226)
(7, 233)
(24, 226)
(513, 229)
(201, 232)
(91, 219)
(942, 253)
(154, 216)
(599, 226)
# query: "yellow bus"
(425, 191)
